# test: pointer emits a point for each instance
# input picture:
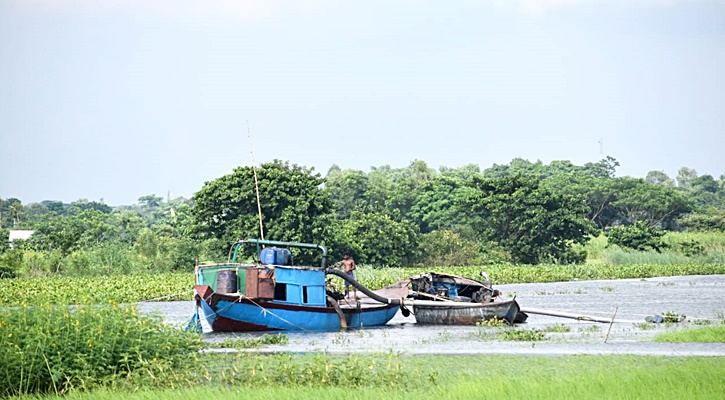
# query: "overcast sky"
(117, 99)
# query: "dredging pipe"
(360, 287)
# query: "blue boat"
(272, 294)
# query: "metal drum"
(226, 281)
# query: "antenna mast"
(256, 183)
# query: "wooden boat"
(464, 313)
(273, 294)
(446, 299)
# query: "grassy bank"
(571, 377)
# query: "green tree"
(347, 190)
(376, 238)
(531, 221)
(638, 236)
(710, 219)
(79, 229)
(150, 200)
(685, 176)
(435, 207)
(294, 207)
(656, 205)
(659, 178)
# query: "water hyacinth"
(49, 348)
(97, 289)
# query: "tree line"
(521, 212)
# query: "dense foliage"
(532, 222)
(56, 348)
(521, 212)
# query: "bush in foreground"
(52, 348)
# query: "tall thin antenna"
(256, 183)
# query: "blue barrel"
(268, 256)
(284, 257)
(226, 281)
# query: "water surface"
(700, 298)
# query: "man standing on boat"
(348, 265)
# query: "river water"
(700, 298)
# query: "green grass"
(681, 248)
(461, 377)
(710, 334)
(56, 349)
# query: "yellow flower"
(10, 335)
(78, 322)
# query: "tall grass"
(50, 348)
(681, 248)
(711, 334)
(469, 377)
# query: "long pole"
(256, 183)
(579, 317)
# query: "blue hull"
(247, 315)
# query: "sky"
(113, 100)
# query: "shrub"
(637, 236)
(58, 348)
(10, 263)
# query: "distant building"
(19, 235)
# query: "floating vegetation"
(250, 343)
(522, 335)
(590, 328)
(178, 286)
(97, 289)
(559, 328)
(493, 322)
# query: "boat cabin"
(272, 278)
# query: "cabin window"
(304, 294)
(280, 291)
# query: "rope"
(266, 311)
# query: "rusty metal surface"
(467, 315)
